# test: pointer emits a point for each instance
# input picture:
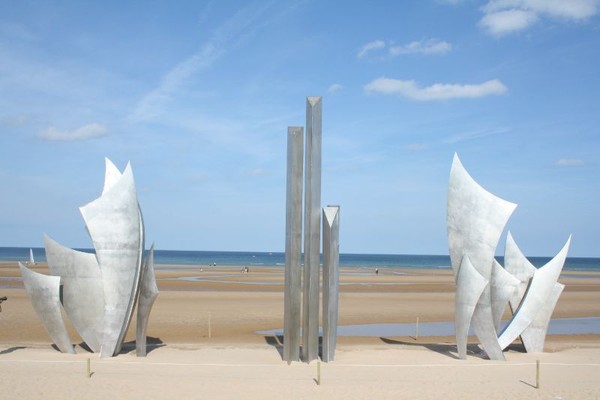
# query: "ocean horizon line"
(277, 259)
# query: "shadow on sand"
(277, 342)
(448, 350)
(152, 343)
(12, 349)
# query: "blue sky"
(199, 95)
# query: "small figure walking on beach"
(376, 271)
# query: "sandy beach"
(203, 341)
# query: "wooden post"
(537, 374)
(88, 369)
(417, 330)
(319, 372)
(209, 326)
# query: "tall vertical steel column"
(312, 230)
(292, 303)
(331, 260)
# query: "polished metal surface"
(475, 220)
(82, 294)
(44, 292)
(541, 297)
(292, 308)
(515, 262)
(99, 291)
(116, 229)
(331, 261)
(148, 293)
(518, 266)
(503, 287)
(469, 287)
(312, 230)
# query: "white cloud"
(502, 22)
(336, 87)
(430, 46)
(425, 46)
(566, 162)
(377, 44)
(506, 16)
(89, 131)
(438, 91)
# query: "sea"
(277, 259)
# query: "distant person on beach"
(376, 271)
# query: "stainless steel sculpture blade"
(312, 230)
(534, 336)
(475, 220)
(114, 224)
(503, 287)
(111, 175)
(519, 266)
(82, 294)
(331, 259)
(292, 296)
(44, 292)
(538, 296)
(148, 293)
(469, 287)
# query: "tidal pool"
(558, 326)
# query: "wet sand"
(211, 315)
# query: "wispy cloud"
(152, 104)
(377, 44)
(416, 146)
(569, 162)
(86, 132)
(503, 17)
(233, 31)
(429, 46)
(438, 91)
(16, 120)
(425, 46)
(479, 134)
(336, 87)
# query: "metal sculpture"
(476, 219)
(535, 308)
(44, 292)
(331, 260)
(82, 295)
(99, 291)
(301, 307)
(312, 230)
(292, 308)
(148, 293)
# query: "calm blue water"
(225, 258)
